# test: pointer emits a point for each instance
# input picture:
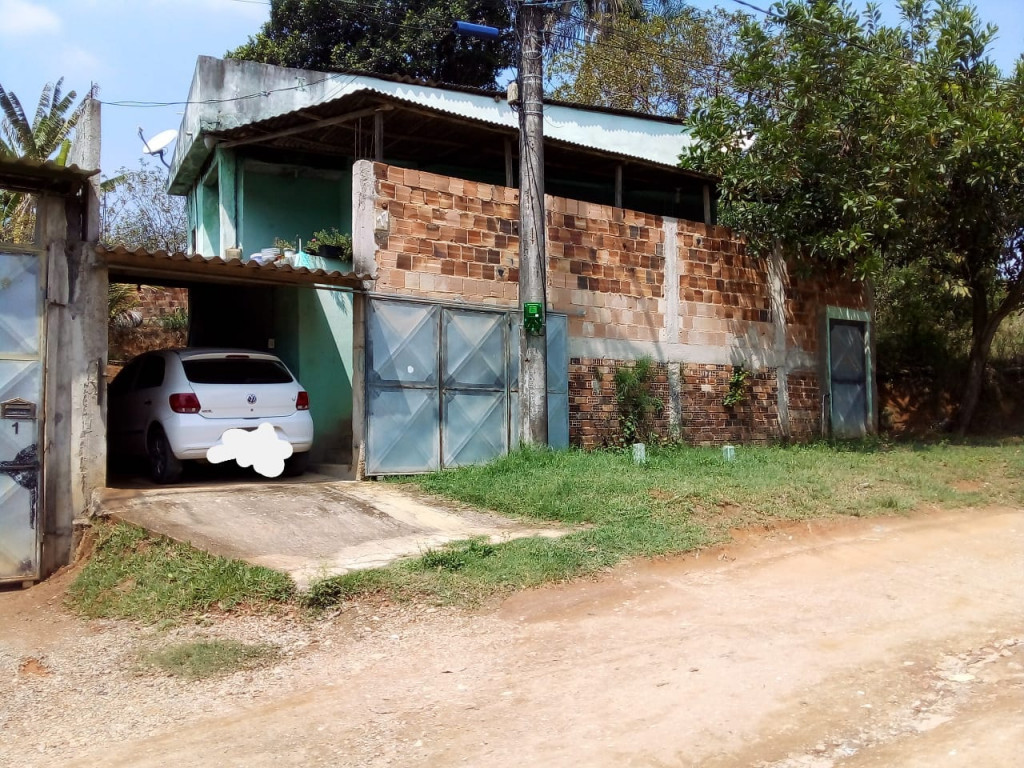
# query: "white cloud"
(86, 65)
(22, 18)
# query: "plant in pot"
(331, 244)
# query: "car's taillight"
(185, 402)
(302, 401)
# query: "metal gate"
(849, 378)
(21, 391)
(442, 385)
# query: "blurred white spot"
(410, 369)
(260, 449)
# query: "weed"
(177, 320)
(208, 658)
(636, 403)
(737, 387)
(135, 575)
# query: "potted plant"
(331, 244)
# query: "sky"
(145, 50)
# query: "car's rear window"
(236, 371)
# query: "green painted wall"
(291, 202)
(208, 241)
(313, 335)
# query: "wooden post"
(533, 390)
(510, 175)
(378, 136)
(618, 185)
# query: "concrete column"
(777, 296)
(670, 229)
(227, 193)
(367, 222)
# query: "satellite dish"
(158, 144)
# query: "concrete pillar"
(367, 222)
(227, 193)
(777, 297)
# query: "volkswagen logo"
(251, 399)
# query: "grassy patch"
(208, 658)
(133, 574)
(683, 498)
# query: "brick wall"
(707, 421)
(804, 406)
(631, 284)
(593, 409)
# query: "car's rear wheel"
(296, 464)
(164, 466)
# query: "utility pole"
(533, 353)
(533, 368)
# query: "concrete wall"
(632, 284)
(313, 334)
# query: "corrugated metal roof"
(635, 136)
(29, 175)
(228, 95)
(183, 266)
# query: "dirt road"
(896, 642)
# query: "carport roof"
(22, 174)
(196, 267)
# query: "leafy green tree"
(49, 131)
(45, 137)
(867, 146)
(659, 64)
(398, 37)
(137, 212)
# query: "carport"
(304, 316)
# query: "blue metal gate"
(442, 385)
(21, 393)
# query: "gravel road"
(886, 642)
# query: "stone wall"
(631, 284)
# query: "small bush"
(174, 321)
(636, 403)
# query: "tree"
(659, 64)
(45, 137)
(137, 212)
(868, 146)
(397, 37)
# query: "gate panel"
(403, 429)
(475, 419)
(21, 392)
(475, 430)
(849, 379)
(442, 385)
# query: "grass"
(135, 575)
(682, 499)
(208, 658)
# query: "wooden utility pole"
(533, 368)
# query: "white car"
(173, 405)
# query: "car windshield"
(236, 371)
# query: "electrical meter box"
(533, 318)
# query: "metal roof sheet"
(227, 95)
(195, 266)
(30, 175)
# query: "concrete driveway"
(308, 528)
